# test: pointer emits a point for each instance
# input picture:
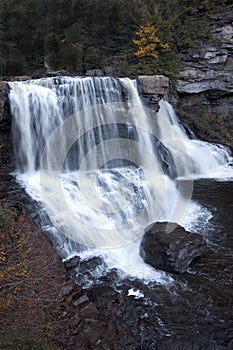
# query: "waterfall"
(104, 166)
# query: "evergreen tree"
(87, 34)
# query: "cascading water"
(104, 167)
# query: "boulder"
(152, 88)
(72, 263)
(170, 251)
(155, 85)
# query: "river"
(80, 129)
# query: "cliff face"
(6, 160)
(205, 85)
(4, 105)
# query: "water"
(104, 167)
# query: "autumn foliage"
(29, 284)
(149, 45)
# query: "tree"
(52, 50)
(93, 59)
(148, 43)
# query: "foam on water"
(104, 170)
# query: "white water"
(92, 197)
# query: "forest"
(81, 35)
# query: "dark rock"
(82, 300)
(204, 87)
(65, 290)
(47, 72)
(4, 107)
(110, 277)
(39, 73)
(90, 264)
(118, 317)
(72, 262)
(170, 251)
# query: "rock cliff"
(205, 85)
(152, 88)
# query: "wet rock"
(72, 262)
(170, 251)
(82, 300)
(117, 316)
(90, 264)
(190, 345)
(88, 269)
(66, 289)
(77, 293)
(110, 277)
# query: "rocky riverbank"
(113, 313)
(38, 299)
(41, 306)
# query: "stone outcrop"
(170, 251)
(152, 88)
(4, 104)
(205, 85)
(47, 73)
(6, 160)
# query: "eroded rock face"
(6, 147)
(209, 65)
(4, 104)
(152, 88)
(170, 251)
(205, 84)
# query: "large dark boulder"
(170, 251)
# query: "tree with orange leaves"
(148, 43)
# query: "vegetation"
(28, 304)
(149, 44)
(209, 127)
(78, 35)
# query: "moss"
(209, 127)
